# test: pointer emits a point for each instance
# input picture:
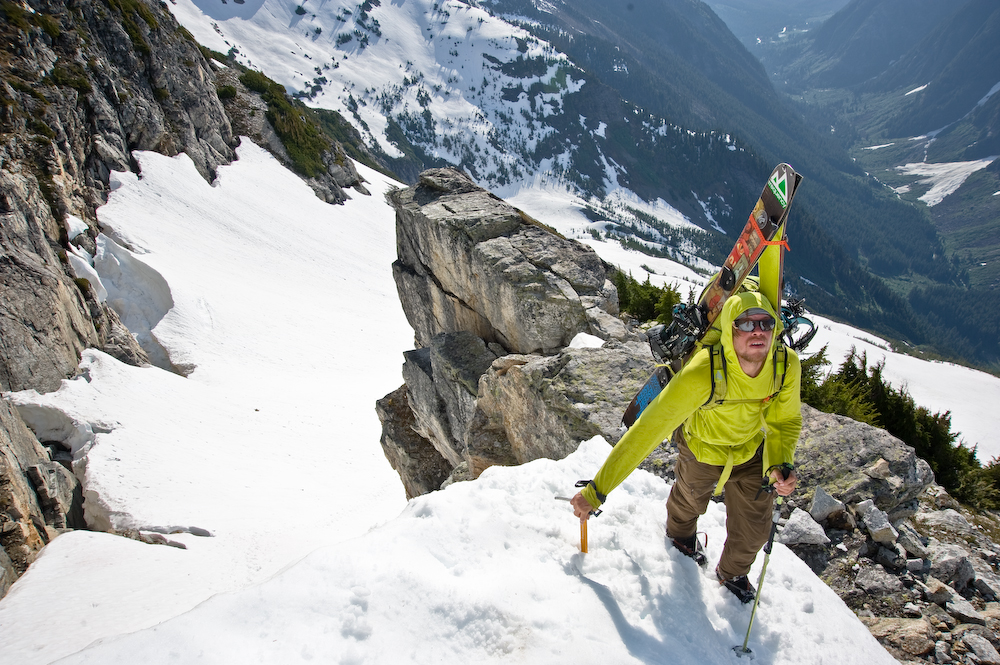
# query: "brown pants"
(748, 520)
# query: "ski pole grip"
(785, 468)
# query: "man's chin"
(756, 355)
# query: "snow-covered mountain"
(285, 313)
(462, 87)
(282, 313)
(635, 112)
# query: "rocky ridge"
(496, 300)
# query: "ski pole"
(775, 516)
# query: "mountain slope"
(858, 42)
(614, 108)
(958, 62)
(757, 21)
(271, 444)
(837, 246)
(911, 68)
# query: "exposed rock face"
(422, 468)
(839, 454)
(546, 405)
(37, 497)
(468, 261)
(83, 84)
(81, 89)
(489, 292)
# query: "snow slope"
(490, 572)
(283, 313)
(430, 65)
(970, 395)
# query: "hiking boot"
(691, 547)
(740, 586)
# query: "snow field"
(490, 571)
(423, 48)
(286, 319)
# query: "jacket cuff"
(590, 493)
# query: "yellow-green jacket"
(725, 434)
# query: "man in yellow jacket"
(738, 441)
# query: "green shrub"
(645, 301)
(209, 54)
(84, 285)
(226, 92)
(26, 88)
(292, 123)
(129, 7)
(843, 392)
(128, 10)
(859, 392)
(49, 24)
(15, 14)
(71, 75)
(39, 127)
(256, 81)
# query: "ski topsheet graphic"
(763, 235)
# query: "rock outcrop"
(38, 497)
(81, 89)
(495, 299)
(468, 261)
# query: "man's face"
(752, 346)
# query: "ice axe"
(583, 523)
(583, 527)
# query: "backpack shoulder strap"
(718, 369)
(717, 376)
(780, 358)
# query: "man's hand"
(581, 507)
(783, 486)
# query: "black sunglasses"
(747, 325)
